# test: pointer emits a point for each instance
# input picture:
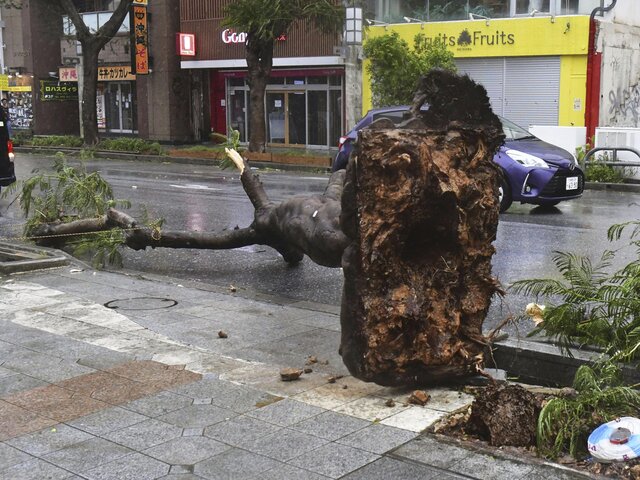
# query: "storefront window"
(237, 117)
(299, 110)
(335, 117)
(527, 7)
(400, 11)
(317, 117)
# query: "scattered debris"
(419, 397)
(610, 442)
(311, 360)
(222, 334)
(390, 403)
(308, 370)
(76, 270)
(325, 362)
(232, 289)
(344, 387)
(536, 312)
(290, 374)
(331, 379)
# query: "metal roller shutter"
(532, 90)
(523, 89)
(490, 73)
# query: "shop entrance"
(286, 118)
(120, 107)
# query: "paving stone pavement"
(148, 389)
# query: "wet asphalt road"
(205, 198)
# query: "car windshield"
(513, 131)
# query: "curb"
(167, 159)
(614, 187)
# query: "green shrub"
(565, 423)
(131, 144)
(597, 171)
(22, 137)
(590, 304)
(56, 141)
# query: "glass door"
(296, 118)
(276, 111)
(286, 118)
(120, 108)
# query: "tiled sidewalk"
(145, 392)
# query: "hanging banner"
(141, 40)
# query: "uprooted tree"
(412, 222)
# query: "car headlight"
(527, 159)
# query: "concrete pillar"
(353, 85)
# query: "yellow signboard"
(140, 2)
(4, 82)
(501, 37)
(19, 88)
(115, 73)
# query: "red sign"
(141, 38)
(186, 44)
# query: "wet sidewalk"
(115, 376)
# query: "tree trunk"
(297, 226)
(420, 207)
(258, 70)
(90, 53)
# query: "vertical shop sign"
(141, 40)
(101, 110)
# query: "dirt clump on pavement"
(502, 421)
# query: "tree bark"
(90, 54)
(259, 59)
(420, 207)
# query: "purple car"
(535, 172)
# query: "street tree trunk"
(259, 59)
(91, 44)
(90, 54)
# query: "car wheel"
(504, 194)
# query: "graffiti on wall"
(624, 105)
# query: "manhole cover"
(141, 303)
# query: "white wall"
(626, 12)
(618, 40)
(568, 138)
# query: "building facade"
(42, 66)
(305, 98)
(543, 62)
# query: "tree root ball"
(505, 415)
(420, 209)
